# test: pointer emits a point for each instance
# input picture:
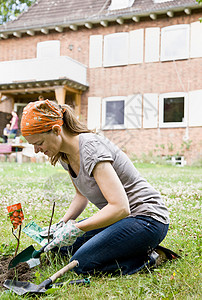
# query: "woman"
(132, 219)
(14, 123)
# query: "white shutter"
(175, 42)
(94, 111)
(120, 4)
(116, 49)
(152, 38)
(48, 49)
(196, 40)
(95, 53)
(133, 111)
(195, 108)
(136, 39)
(150, 111)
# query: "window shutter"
(136, 39)
(48, 49)
(133, 111)
(195, 108)
(116, 49)
(196, 40)
(152, 38)
(95, 53)
(94, 110)
(150, 111)
(175, 42)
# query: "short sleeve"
(93, 153)
(64, 165)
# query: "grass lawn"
(36, 186)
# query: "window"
(122, 112)
(175, 42)
(116, 49)
(162, 1)
(120, 4)
(113, 113)
(173, 110)
(48, 49)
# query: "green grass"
(36, 186)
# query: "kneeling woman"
(132, 219)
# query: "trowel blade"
(22, 287)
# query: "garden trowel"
(28, 255)
(22, 288)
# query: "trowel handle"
(46, 283)
(62, 271)
(37, 253)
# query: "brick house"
(131, 68)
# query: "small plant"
(11, 136)
(170, 146)
(186, 144)
(1, 140)
(22, 139)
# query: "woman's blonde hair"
(73, 125)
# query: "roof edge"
(82, 22)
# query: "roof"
(73, 13)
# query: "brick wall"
(163, 142)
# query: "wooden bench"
(5, 149)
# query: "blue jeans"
(123, 246)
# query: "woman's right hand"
(53, 229)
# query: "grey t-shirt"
(143, 198)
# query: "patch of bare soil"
(21, 272)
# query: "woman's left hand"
(65, 236)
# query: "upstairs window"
(173, 110)
(120, 4)
(116, 49)
(175, 42)
(162, 1)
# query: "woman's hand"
(65, 236)
(53, 229)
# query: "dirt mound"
(21, 272)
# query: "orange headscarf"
(40, 116)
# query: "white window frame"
(161, 1)
(120, 4)
(164, 56)
(117, 126)
(163, 124)
(119, 62)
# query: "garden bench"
(5, 149)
